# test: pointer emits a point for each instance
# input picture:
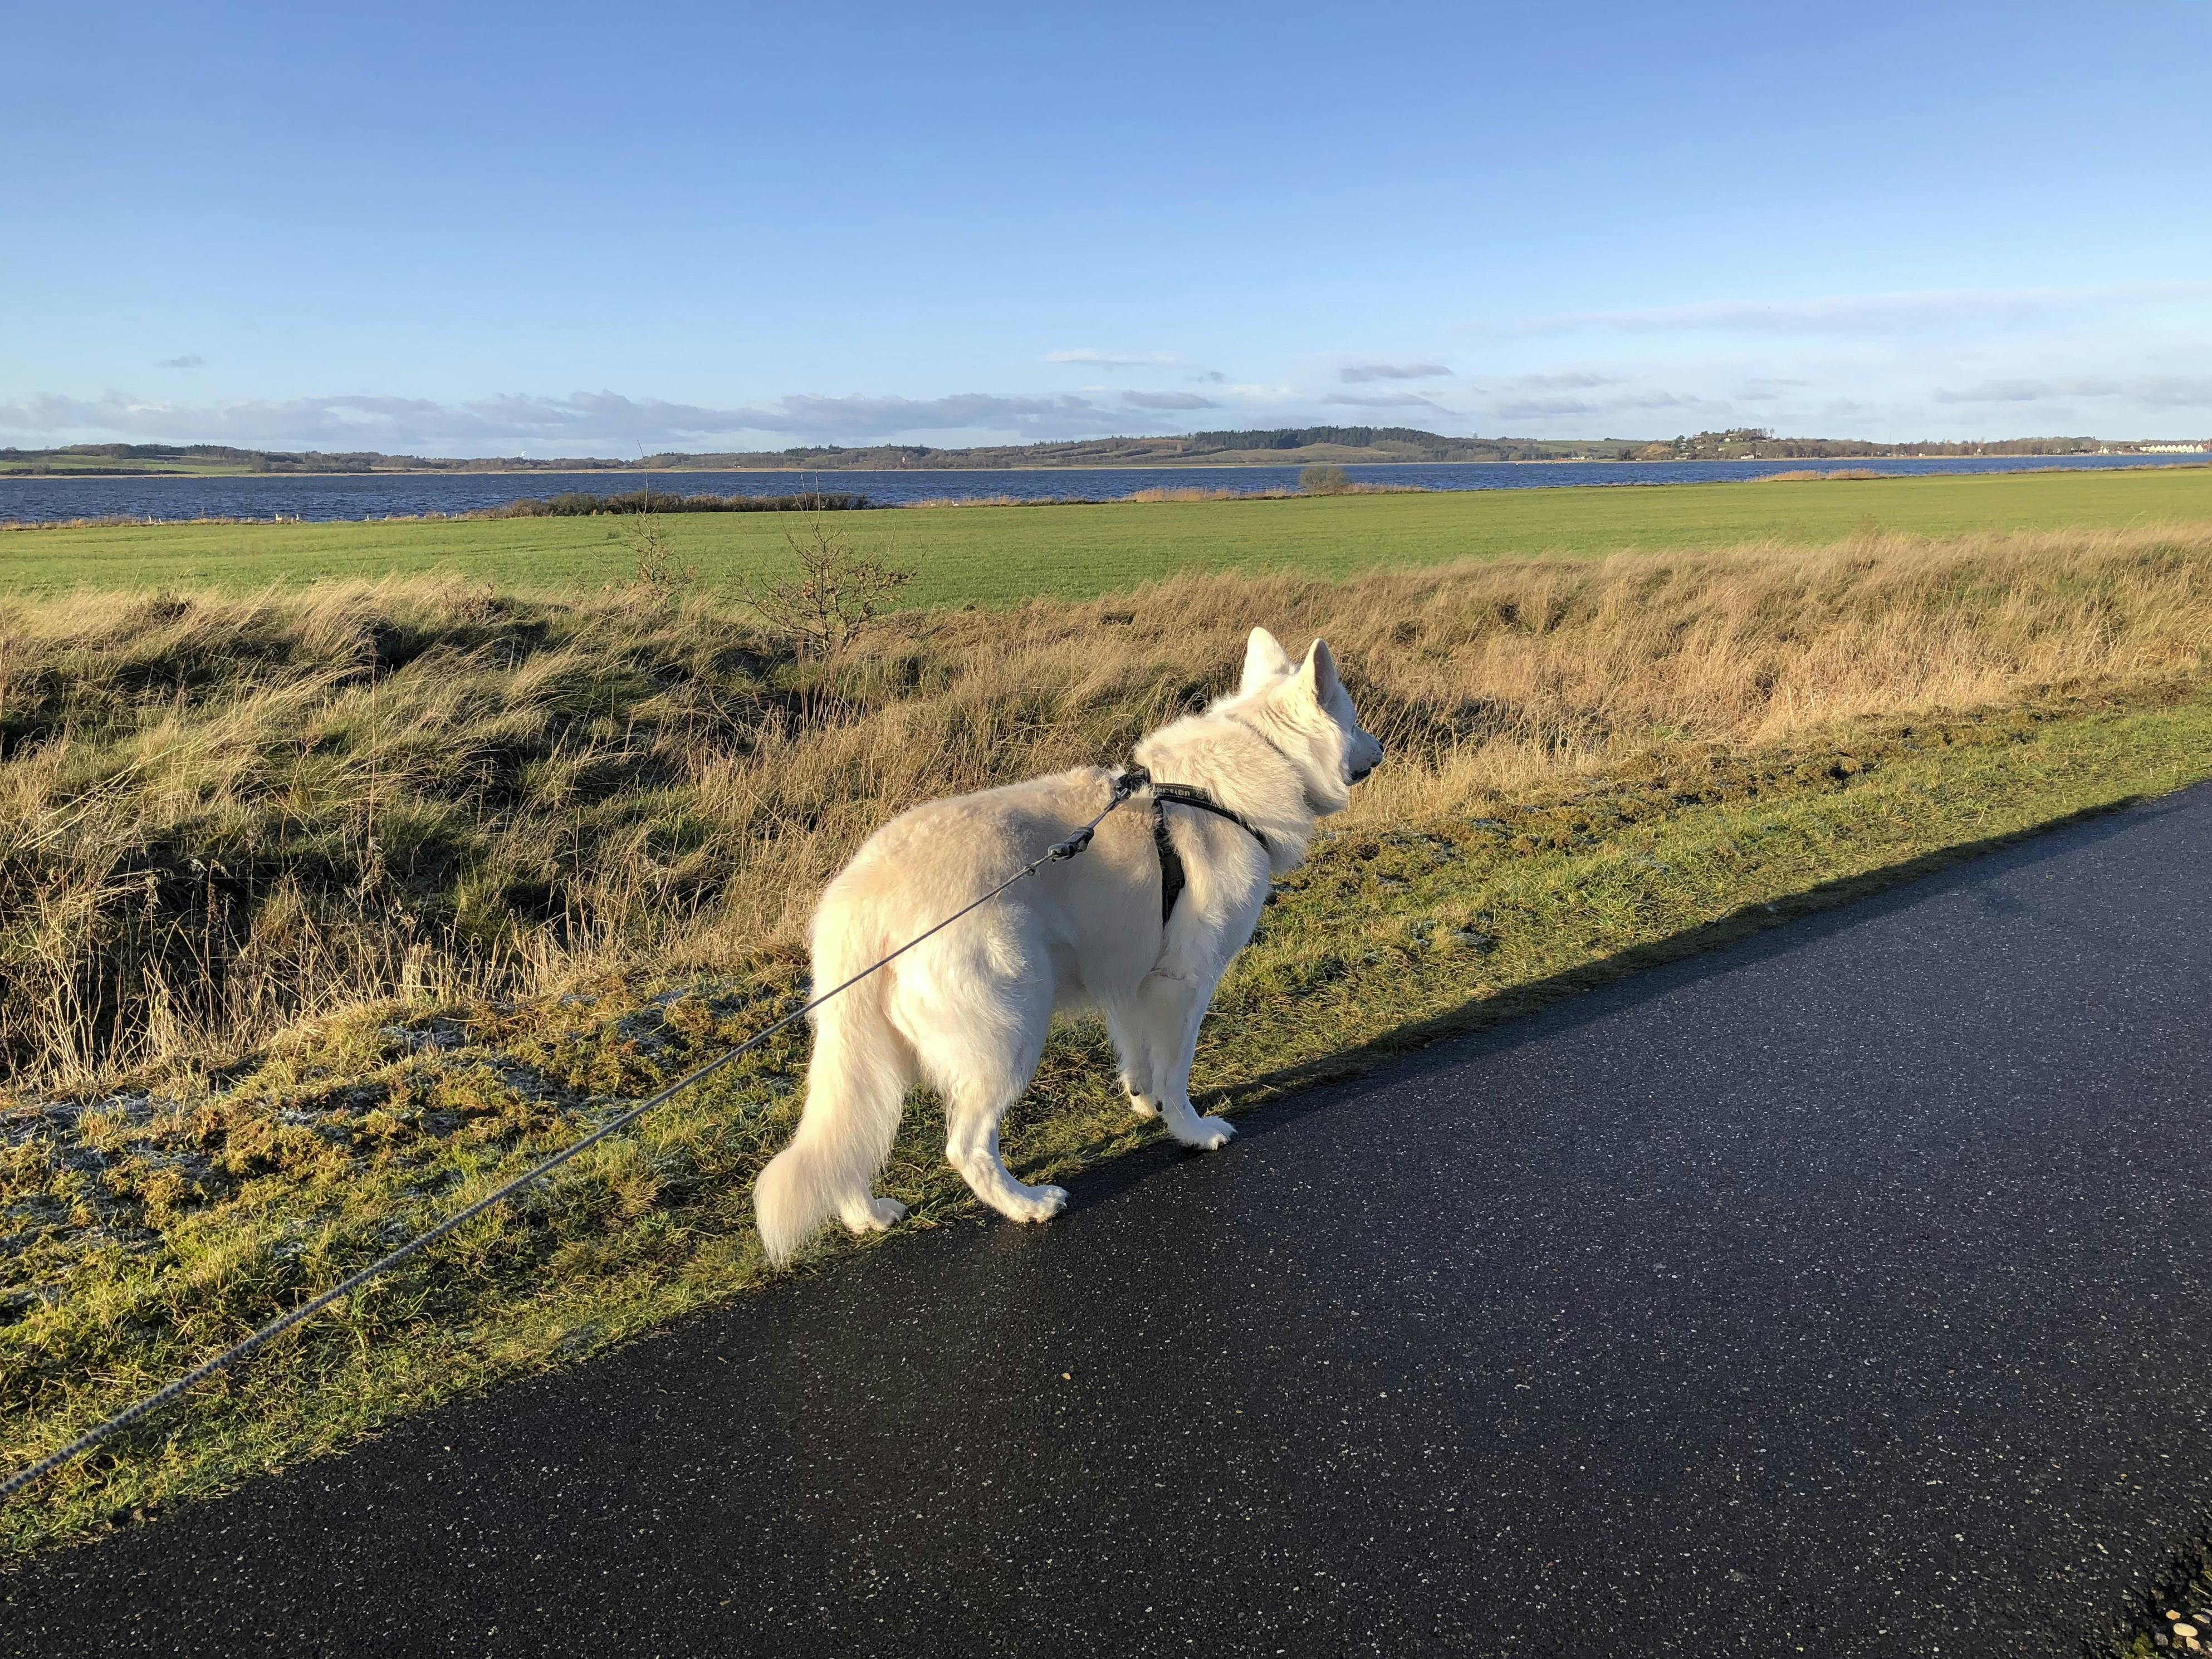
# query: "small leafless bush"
(654, 548)
(836, 591)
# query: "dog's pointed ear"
(1265, 659)
(1318, 674)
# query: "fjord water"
(332, 496)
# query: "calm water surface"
(392, 495)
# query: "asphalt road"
(1844, 1292)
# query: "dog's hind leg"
(1168, 1010)
(978, 1058)
(971, 1142)
(1124, 1024)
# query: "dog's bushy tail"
(856, 1084)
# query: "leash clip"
(1064, 850)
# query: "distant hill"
(1757, 443)
(1273, 447)
(1277, 446)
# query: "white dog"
(1236, 794)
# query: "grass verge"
(149, 1231)
(2180, 1596)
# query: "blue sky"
(559, 230)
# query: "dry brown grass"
(1223, 493)
(221, 815)
(1812, 475)
(967, 501)
(1204, 493)
(111, 521)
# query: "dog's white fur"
(968, 1011)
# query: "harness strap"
(1172, 880)
(1171, 876)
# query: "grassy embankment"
(320, 912)
(1002, 555)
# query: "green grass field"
(1002, 555)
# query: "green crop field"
(1001, 555)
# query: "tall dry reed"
(219, 814)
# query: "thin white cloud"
(1540, 409)
(2029, 392)
(1766, 391)
(189, 359)
(2172, 392)
(1115, 359)
(1910, 391)
(1535, 408)
(879, 417)
(2152, 392)
(1167, 400)
(607, 420)
(1571, 380)
(1355, 374)
(1386, 400)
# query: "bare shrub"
(655, 552)
(1324, 480)
(836, 591)
(653, 547)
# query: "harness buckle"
(1129, 780)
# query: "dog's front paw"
(1040, 1204)
(1211, 1134)
(1142, 1107)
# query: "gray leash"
(1125, 784)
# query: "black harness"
(1172, 881)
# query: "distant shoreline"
(2166, 459)
(91, 515)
